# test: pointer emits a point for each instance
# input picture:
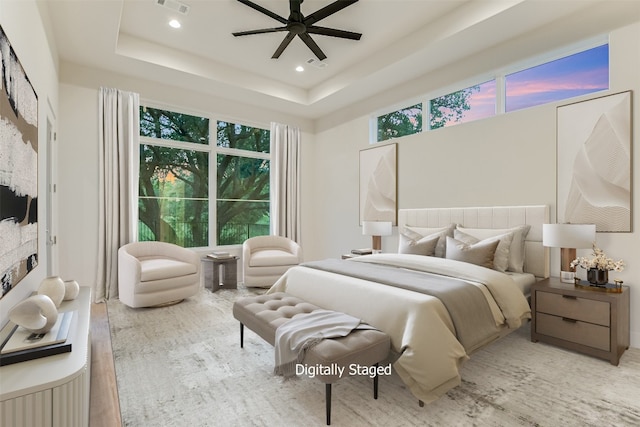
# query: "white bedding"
(419, 325)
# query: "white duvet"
(419, 325)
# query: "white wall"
(21, 23)
(509, 159)
(78, 184)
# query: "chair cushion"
(156, 268)
(271, 257)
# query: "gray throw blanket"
(303, 331)
(466, 304)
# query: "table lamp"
(568, 237)
(376, 229)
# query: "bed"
(433, 332)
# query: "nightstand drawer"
(575, 308)
(588, 334)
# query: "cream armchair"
(266, 258)
(156, 273)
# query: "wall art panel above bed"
(378, 184)
(594, 162)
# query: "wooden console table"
(52, 391)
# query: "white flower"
(600, 261)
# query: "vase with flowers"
(598, 266)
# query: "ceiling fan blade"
(332, 32)
(294, 8)
(262, 31)
(285, 42)
(261, 9)
(327, 10)
(313, 46)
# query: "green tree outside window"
(174, 191)
(406, 121)
(450, 108)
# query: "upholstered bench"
(364, 347)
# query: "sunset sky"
(571, 76)
(564, 78)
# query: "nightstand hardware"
(570, 320)
(569, 296)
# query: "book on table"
(22, 345)
(219, 255)
(23, 339)
(365, 251)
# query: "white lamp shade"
(579, 236)
(376, 228)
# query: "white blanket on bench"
(303, 331)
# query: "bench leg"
(328, 402)
(375, 384)
(241, 335)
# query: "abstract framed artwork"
(594, 143)
(18, 170)
(378, 184)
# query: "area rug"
(182, 365)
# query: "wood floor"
(104, 408)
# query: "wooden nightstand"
(590, 321)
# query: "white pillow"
(413, 243)
(501, 256)
(516, 250)
(481, 253)
(442, 232)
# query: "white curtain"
(285, 181)
(118, 139)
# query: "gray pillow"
(480, 253)
(501, 256)
(442, 232)
(413, 243)
(516, 251)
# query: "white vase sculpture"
(53, 287)
(37, 314)
(71, 290)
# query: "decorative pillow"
(442, 232)
(516, 250)
(501, 256)
(481, 253)
(413, 243)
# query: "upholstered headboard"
(536, 256)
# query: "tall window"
(177, 176)
(573, 75)
(242, 201)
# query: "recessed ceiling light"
(174, 23)
(299, 68)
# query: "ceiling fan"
(302, 26)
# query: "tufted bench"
(364, 347)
